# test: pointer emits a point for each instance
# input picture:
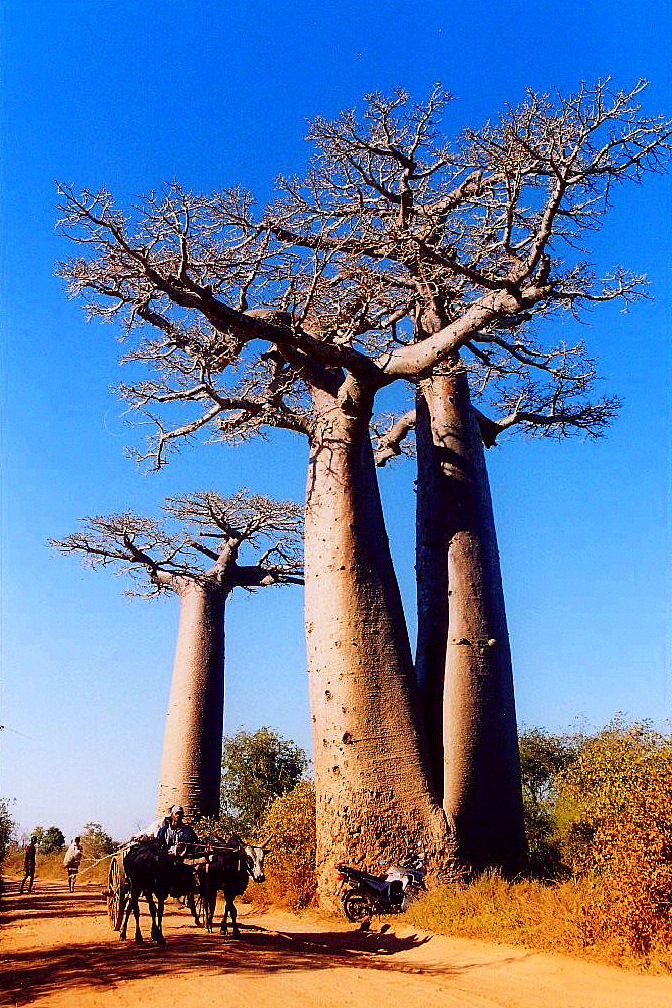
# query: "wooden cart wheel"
(116, 893)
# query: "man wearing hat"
(178, 836)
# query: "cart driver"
(178, 836)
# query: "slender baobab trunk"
(374, 798)
(192, 743)
(463, 658)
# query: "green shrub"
(7, 828)
(256, 768)
(96, 842)
(543, 756)
(49, 840)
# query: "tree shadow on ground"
(51, 902)
(106, 965)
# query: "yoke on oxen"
(144, 868)
(154, 874)
(230, 867)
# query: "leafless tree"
(397, 257)
(487, 235)
(194, 551)
(370, 754)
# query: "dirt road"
(58, 950)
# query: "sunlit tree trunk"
(192, 744)
(463, 657)
(373, 794)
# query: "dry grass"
(50, 867)
(551, 918)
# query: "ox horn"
(267, 841)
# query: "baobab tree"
(370, 755)
(483, 224)
(193, 551)
(396, 259)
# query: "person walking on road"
(29, 865)
(71, 861)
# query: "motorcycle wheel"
(357, 907)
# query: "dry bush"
(610, 819)
(551, 918)
(526, 912)
(95, 865)
(47, 866)
(13, 862)
(290, 864)
(622, 835)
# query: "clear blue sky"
(129, 94)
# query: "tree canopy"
(160, 554)
(257, 768)
(96, 841)
(48, 840)
(398, 250)
(543, 756)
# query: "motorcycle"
(365, 894)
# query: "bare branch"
(390, 223)
(391, 443)
(166, 554)
(591, 418)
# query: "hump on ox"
(151, 873)
(229, 870)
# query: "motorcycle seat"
(363, 875)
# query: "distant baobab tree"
(400, 257)
(193, 551)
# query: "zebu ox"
(151, 872)
(229, 870)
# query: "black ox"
(229, 870)
(151, 872)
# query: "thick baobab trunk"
(463, 659)
(192, 743)
(373, 795)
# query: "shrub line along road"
(59, 950)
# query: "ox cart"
(214, 867)
(118, 888)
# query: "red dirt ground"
(58, 950)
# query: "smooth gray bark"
(371, 774)
(192, 745)
(463, 661)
